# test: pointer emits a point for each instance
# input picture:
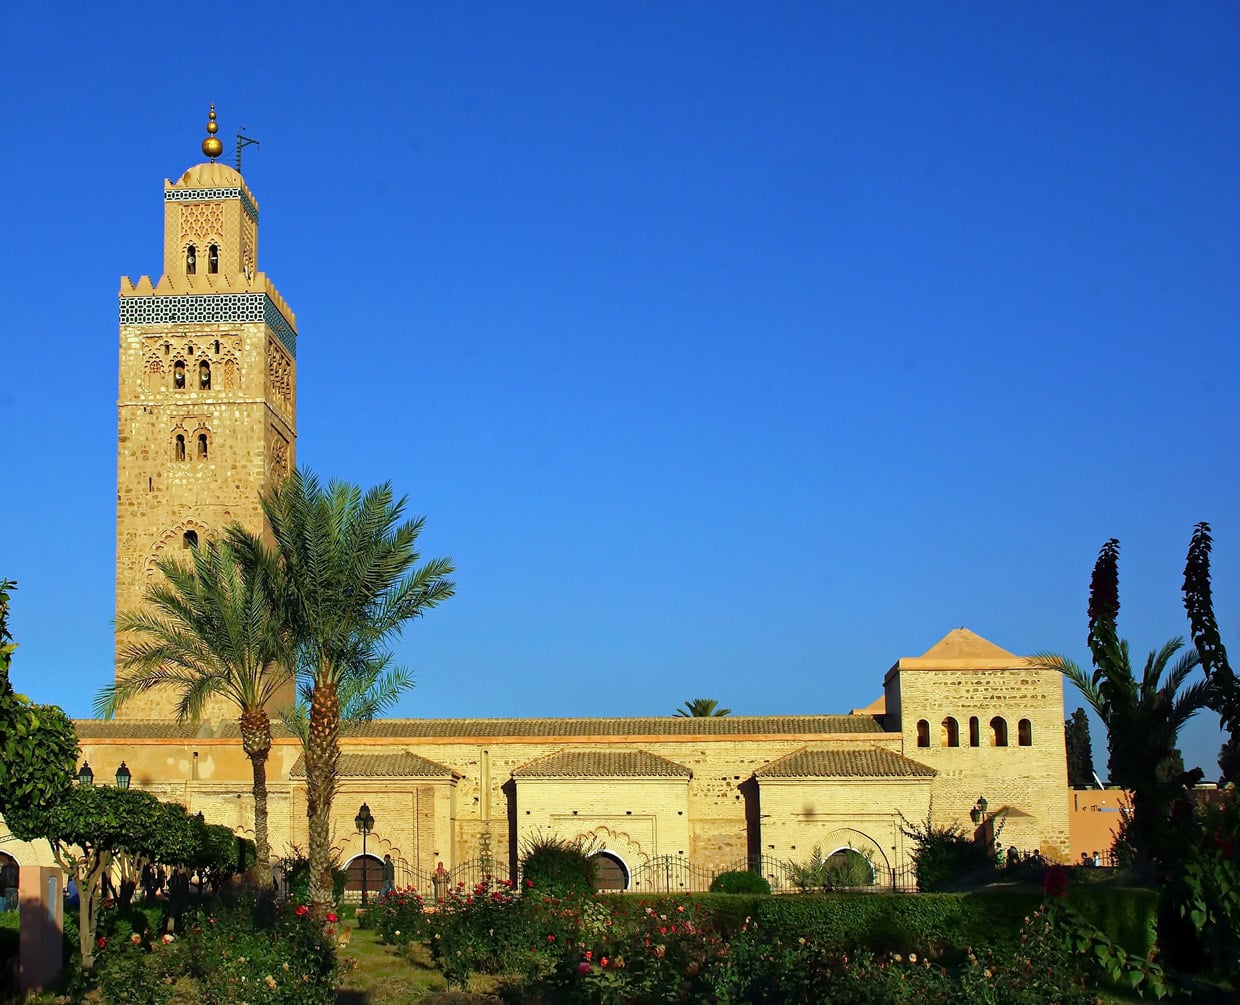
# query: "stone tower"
(208, 378)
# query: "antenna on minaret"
(243, 141)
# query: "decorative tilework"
(211, 195)
(208, 308)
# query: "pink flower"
(529, 882)
(302, 909)
(550, 938)
(583, 967)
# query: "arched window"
(178, 450)
(202, 446)
(950, 735)
(923, 733)
(191, 260)
(204, 376)
(1024, 733)
(975, 732)
(189, 539)
(998, 731)
(178, 375)
(213, 259)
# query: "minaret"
(208, 378)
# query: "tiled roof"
(960, 643)
(728, 725)
(870, 762)
(602, 764)
(535, 729)
(140, 729)
(402, 765)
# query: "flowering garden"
(1061, 944)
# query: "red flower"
(550, 938)
(583, 967)
(102, 942)
(331, 916)
(302, 909)
(1055, 882)
(603, 962)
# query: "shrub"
(556, 866)
(399, 917)
(138, 969)
(253, 956)
(740, 881)
(942, 855)
(478, 930)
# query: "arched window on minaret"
(975, 732)
(189, 539)
(202, 446)
(951, 732)
(923, 733)
(213, 259)
(178, 375)
(1024, 733)
(204, 376)
(998, 732)
(191, 260)
(179, 448)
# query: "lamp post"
(85, 776)
(365, 823)
(123, 775)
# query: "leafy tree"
(701, 708)
(1199, 603)
(38, 747)
(209, 629)
(87, 828)
(1080, 750)
(1143, 716)
(347, 566)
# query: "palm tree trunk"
(322, 754)
(256, 741)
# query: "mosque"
(965, 732)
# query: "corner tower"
(207, 406)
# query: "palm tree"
(207, 630)
(701, 708)
(1143, 716)
(364, 696)
(351, 581)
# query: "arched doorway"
(374, 874)
(848, 868)
(610, 872)
(8, 882)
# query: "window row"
(191, 259)
(180, 446)
(996, 736)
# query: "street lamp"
(365, 823)
(978, 813)
(85, 776)
(123, 774)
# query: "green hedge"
(931, 923)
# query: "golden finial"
(211, 146)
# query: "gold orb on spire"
(212, 146)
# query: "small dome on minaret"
(212, 146)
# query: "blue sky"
(733, 350)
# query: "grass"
(384, 975)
